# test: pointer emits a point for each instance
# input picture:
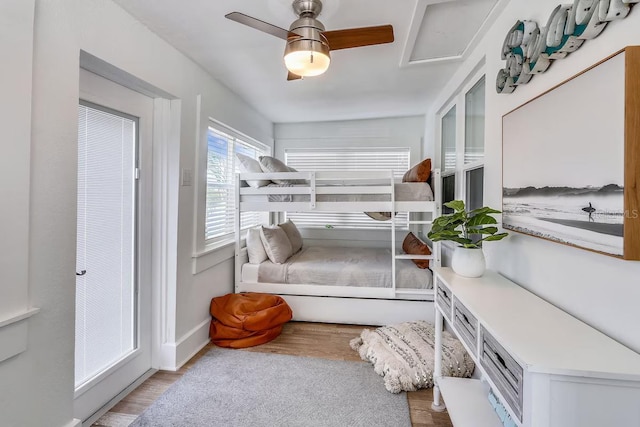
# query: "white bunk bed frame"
(342, 304)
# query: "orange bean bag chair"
(247, 319)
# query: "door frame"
(166, 174)
(89, 402)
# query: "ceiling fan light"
(307, 58)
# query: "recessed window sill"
(213, 247)
(212, 255)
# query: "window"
(474, 179)
(448, 191)
(448, 158)
(317, 159)
(449, 141)
(222, 165)
(462, 146)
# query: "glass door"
(106, 261)
(113, 263)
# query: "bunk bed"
(381, 292)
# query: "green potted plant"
(469, 230)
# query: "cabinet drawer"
(466, 324)
(503, 370)
(443, 298)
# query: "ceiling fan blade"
(357, 37)
(292, 76)
(265, 27)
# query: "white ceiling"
(364, 82)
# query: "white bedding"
(404, 192)
(340, 266)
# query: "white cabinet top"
(539, 335)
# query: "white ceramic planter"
(468, 262)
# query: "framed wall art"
(571, 160)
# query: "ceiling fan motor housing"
(311, 8)
(308, 28)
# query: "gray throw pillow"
(272, 165)
(293, 234)
(249, 165)
(255, 249)
(276, 244)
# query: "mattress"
(404, 192)
(340, 266)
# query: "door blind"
(105, 285)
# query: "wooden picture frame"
(571, 160)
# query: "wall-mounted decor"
(530, 49)
(571, 160)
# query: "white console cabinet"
(548, 368)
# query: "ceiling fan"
(308, 43)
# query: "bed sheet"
(340, 266)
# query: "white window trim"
(202, 247)
(458, 100)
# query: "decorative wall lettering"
(529, 49)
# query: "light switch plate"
(186, 177)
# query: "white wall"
(16, 45)
(383, 132)
(37, 385)
(600, 290)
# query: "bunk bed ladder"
(436, 184)
(393, 235)
(312, 189)
(237, 226)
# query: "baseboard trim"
(174, 355)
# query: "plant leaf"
(495, 237)
(456, 205)
(484, 210)
(484, 230)
(481, 219)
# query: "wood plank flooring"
(328, 341)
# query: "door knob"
(82, 273)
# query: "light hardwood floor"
(329, 341)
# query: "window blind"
(222, 165)
(318, 159)
(474, 123)
(448, 137)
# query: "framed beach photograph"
(571, 160)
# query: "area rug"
(404, 355)
(238, 388)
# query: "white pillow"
(249, 165)
(255, 249)
(293, 234)
(276, 244)
(272, 165)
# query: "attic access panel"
(571, 160)
(448, 27)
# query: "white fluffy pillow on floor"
(404, 355)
